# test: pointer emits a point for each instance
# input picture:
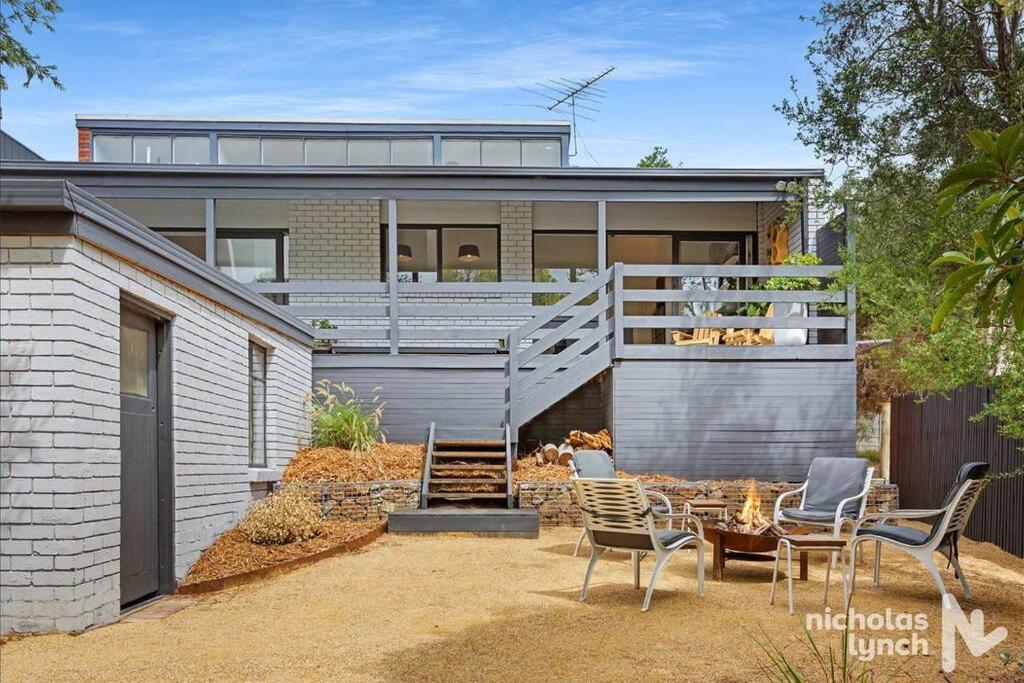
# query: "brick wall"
(334, 239)
(84, 151)
(516, 241)
(60, 437)
(556, 503)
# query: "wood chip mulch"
(386, 462)
(233, 554)
(390, 461)
(529, 470)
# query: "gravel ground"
(465, 608)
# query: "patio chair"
(618, 516)
(836, 492)
(598, 465)
(943, 536)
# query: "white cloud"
(120, 28)
(519, 65)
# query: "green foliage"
(282, 517)
(340, 419)
(879, 107)
(833, 664)
(27, 15)
(795, 283)
(322, 324)
(991, 276)
(658, 158)
(901, 81)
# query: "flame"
(750, 517)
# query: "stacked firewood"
(550, 454)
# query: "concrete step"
(480, 521)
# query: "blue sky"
(697, 77)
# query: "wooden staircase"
(473, 468)
(467, 487)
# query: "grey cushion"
(901, 534)
(661, 509)
(812, 515)
(639, 541)
(831, 480)
(593, 465)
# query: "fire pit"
(748, 535)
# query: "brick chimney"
(83, 145)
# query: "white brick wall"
(334, 239)
(60, 438)
(516, 241)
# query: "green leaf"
(1016, 295)
(952, 298)
(982, 140)
(953, 257)
(1005, 143)
(971, 171)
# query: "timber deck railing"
(559, 351)
(483, 316)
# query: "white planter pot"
(790, 337)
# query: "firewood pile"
(550, 454)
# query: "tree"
(992, 275)
(897, 86)
(907, 79)
(658, 158)
(26, 14)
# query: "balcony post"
(211, 233)
(602, 235)
(393, 274)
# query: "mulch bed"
(386, 462)
(391, 461)
(233, 555)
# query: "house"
(464, 268)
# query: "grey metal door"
(140, 458)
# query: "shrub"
(340, 419)
(796, 283)
(282, 517)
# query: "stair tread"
(465, 480)
(466, 467)
(471, 443)
(490, 455)
(464, 494)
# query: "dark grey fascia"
(112, 124)
(55, 206)
(529, 184)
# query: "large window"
(563, 257)
(282, 152)
(252, 255)
(151, 149)
(542, 153)
(241, 151)
(456, 152)
(112, 148)
(257, 405)
(192, 241)
(368, 152)
(435, 253)
(191, 149)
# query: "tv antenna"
(569, 96)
